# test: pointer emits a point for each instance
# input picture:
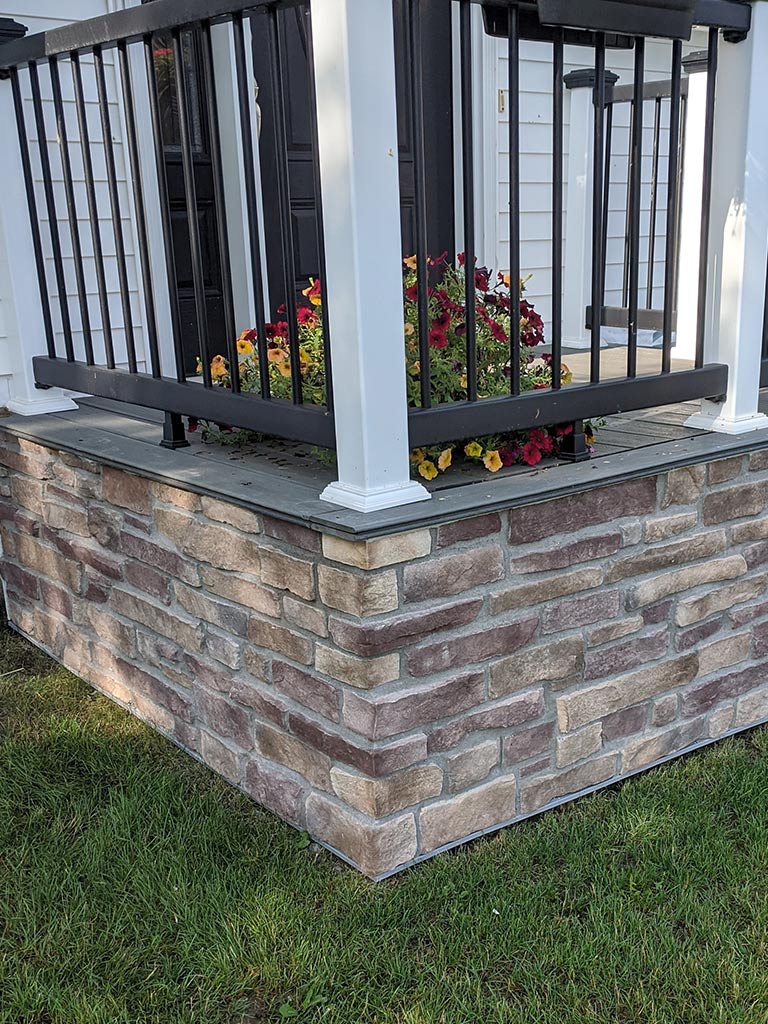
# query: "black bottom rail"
(307, 423)
(545, 408)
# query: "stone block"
(383, 551)
(175, 496)
(725, 469)
(231, 515)
(370, 639)
(221, 758)
(364, 673)
(683, 486)
(279, 791)
(474, 648)
(378, 798)
(453, 574)
(751, 709)
(45, 560)
(693, 637)
(458, 817)
(379, 717)
(614, 631)
(624, 723)
(755, 529)
(148, 580)
(549, 662)
(187, 633)
(665, 710)
(591, 703)
(280, 640)
(229, 617)
(724, 653)
(758, 461)
(19, 579)
(468, 529)
(225, 719)
(469, 767)
(55, 598)
(506, 714)
(361, 595)
(666, 556)
(126, 490)
(305, 616)
(307, 689)
(219, 546)
(375, 848)
(543, 790)
(679, 580)
(266, 704)
(721, 721)
(734, 502)
(527, 595)
(669, 526)
(291, 752)
(581, 611)
(249, 593)
(704, 697)
(628, 655)
(694, 609)
(293, 533)
(645, 750)
(160, 557)
(285, 572)
(70, 520)
(586, 549)
(575, 746)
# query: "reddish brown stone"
(506, 714)
(225, 719)
(756, 554)
(126, 490)
(292, 533)
(741, 616)
(471, 649)
(81, 552)
(56, 598)
(725, 469)
(624, 656)
(468, 529)
(173, 627)
(221, 758)
(760, 634)
(664, 556)
(581, 611)
(403, 710)
(150, 686)
(624, 723)
(453, 574)
(584, 550)
(161, 558)
(758, 461)
(104, 525)
(394, 632)
(223, 648)
(306, 689)
(656, 613)
(266, 705)
(19, 579)
(589, 508)
(706, 696)
(527, 743)
(149, 580)
(735, 502)
(692, 637)
(277, 790)
(229, 617)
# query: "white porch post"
(738, 247)
(354, 59)
(20, 304)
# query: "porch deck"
(284, 479)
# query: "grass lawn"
(136, 887)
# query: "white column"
(738, 246)
(354, 60)
(19, 288)
(690, 208)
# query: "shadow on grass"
(137, 887)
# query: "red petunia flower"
(304, 315)
(438, 338)
(531, 454)
(412, 293)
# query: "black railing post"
(574, 445)
(174, 435)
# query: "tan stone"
(188, 633)
(646, 750)
(721, 721)
(375, 554)
(526, 595)
(547, 662)
(684, 486)
(591, 703)
(176, 496)
(752, 709)
(364, 673)
(232, 515)
(755, 529)
(278, 745)
(665, 710)
(249, 593)
(578, 745)
(664, 584)
(723, 653)
(288, 573)
(282, 641)
(71, 520)
(381, 797)
(542, 790)
(697, 608)
(678, 552)
(126, 490)
(474, 811)
(615, 631)
(219, 546)
(376, 848)
(669, 526)
(306, 616)
(471, 766)
(362, 595)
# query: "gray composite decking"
(285, 479)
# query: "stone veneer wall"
(401, 694)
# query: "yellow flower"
(446, 457)
(284, 368)
(589, 438)
(414, 368)
(428, 470)
(199, 366)
(409, 329)
(244, 347)
(492, 462)
(218, 367)
(463, 380)
(473, 450)
(410, 262)
(276, 355)
(566, 375)
(418, 455)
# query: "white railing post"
(577, 249)
(354, 59)
(22, 328)
(738, 246)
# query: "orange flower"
(410, 262)
(244, 347)
(218, 367)
(446, 457)
(492, 462)
(409, 329)
(276, 355)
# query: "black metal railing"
(477, 414)
(156, 63)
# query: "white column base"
(374, 501)
(53, 402)
(713, 419)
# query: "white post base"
(55, 401)
(711, 418)
(374, 501)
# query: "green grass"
(136, 887)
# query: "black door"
(206, 216)
(299, 104)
